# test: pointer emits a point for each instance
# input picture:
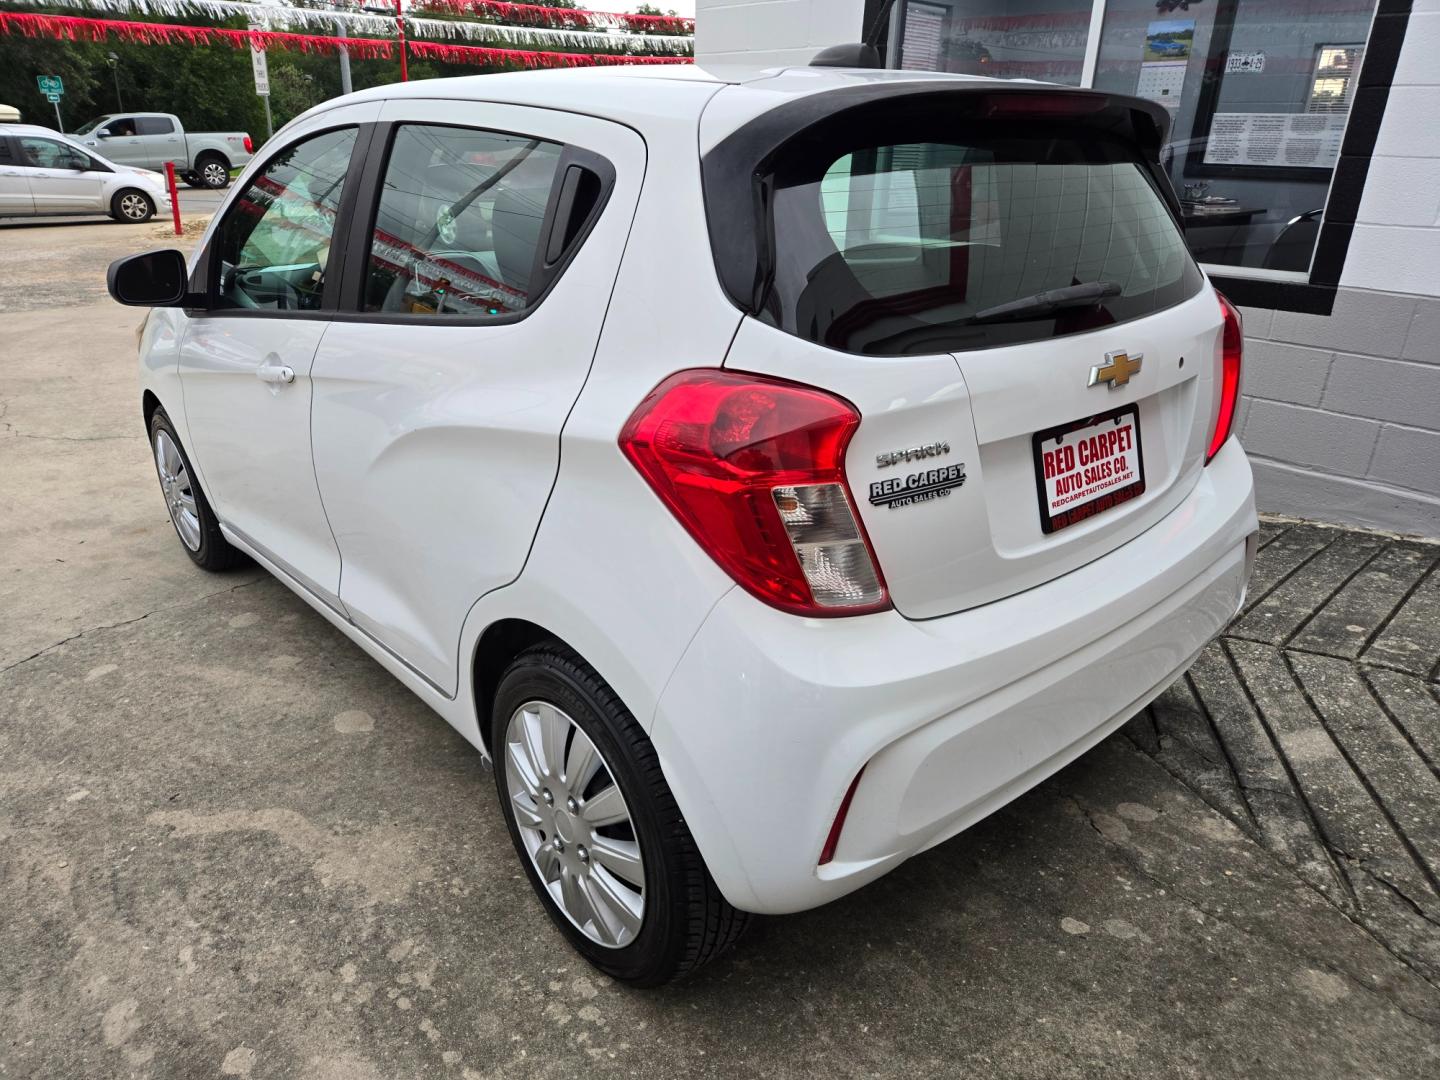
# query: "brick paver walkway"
(1314, 724)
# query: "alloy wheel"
(214, 174)
(575, 824)
(179, 494)
(134, 207)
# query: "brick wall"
(1342, 413)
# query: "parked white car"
(44, 173)
(774, 476)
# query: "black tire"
(214, 552)
(191, 180)
(132, 206)
(686, 921)
(213, 170)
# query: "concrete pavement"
(232, 845)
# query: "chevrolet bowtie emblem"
(1116, 370)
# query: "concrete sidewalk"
(231, 845)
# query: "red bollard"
(174, 194)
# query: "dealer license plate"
(1088, 466)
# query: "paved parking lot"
(231, 845)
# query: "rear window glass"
(968, 243)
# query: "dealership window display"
(1259, 93)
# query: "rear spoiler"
(736, 172)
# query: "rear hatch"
(995, 279)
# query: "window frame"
(205, 280)
(22, 162)
(350, 305)
(1312, 292)
(153, 118)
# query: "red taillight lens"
(1232, 349)
(753, 467)
(832, 840)
(249, 146)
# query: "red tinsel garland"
(561, 18)
(525, 58)
(70, 28)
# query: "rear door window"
(460, 221)
(995, 237)
(154, 125)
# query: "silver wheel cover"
(179, 495)
(134, 206)
(574, 824)
(215, 174)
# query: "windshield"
(992, 234)
(91, 125)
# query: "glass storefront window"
(1006, 39)
(1259, 92)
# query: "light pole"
(113, 60)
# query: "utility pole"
(345, 86)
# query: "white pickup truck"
(148, 140)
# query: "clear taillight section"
(752, 467)
(1232, 351)
(826, 537)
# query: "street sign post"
(261, 67)
(53, 87)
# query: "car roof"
(628, 93)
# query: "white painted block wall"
(769, 33)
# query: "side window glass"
(49, 154)
(273, 248)
(458, 228)
(155, 125)
(122, 127)
(7, 156)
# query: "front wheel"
(195, 522)
(596, 827)
(132, 207)
(214, 173)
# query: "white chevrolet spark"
(773, 475)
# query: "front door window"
(273, 250)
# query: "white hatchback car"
(773, 475)
(44, 173)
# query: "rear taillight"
(1232, 349)
(249, 146)
(753, 467)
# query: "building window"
(1042, 40)
(1259, 94)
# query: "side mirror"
(154, 279)
(102, 134)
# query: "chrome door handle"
(275, 373)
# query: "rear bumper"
(768, 718)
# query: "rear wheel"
(132, 206)
(596, 827)
(195, 522)
(214, 171)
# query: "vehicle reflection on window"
(458, 227)
(274, 247)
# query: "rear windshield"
(1005, 235)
